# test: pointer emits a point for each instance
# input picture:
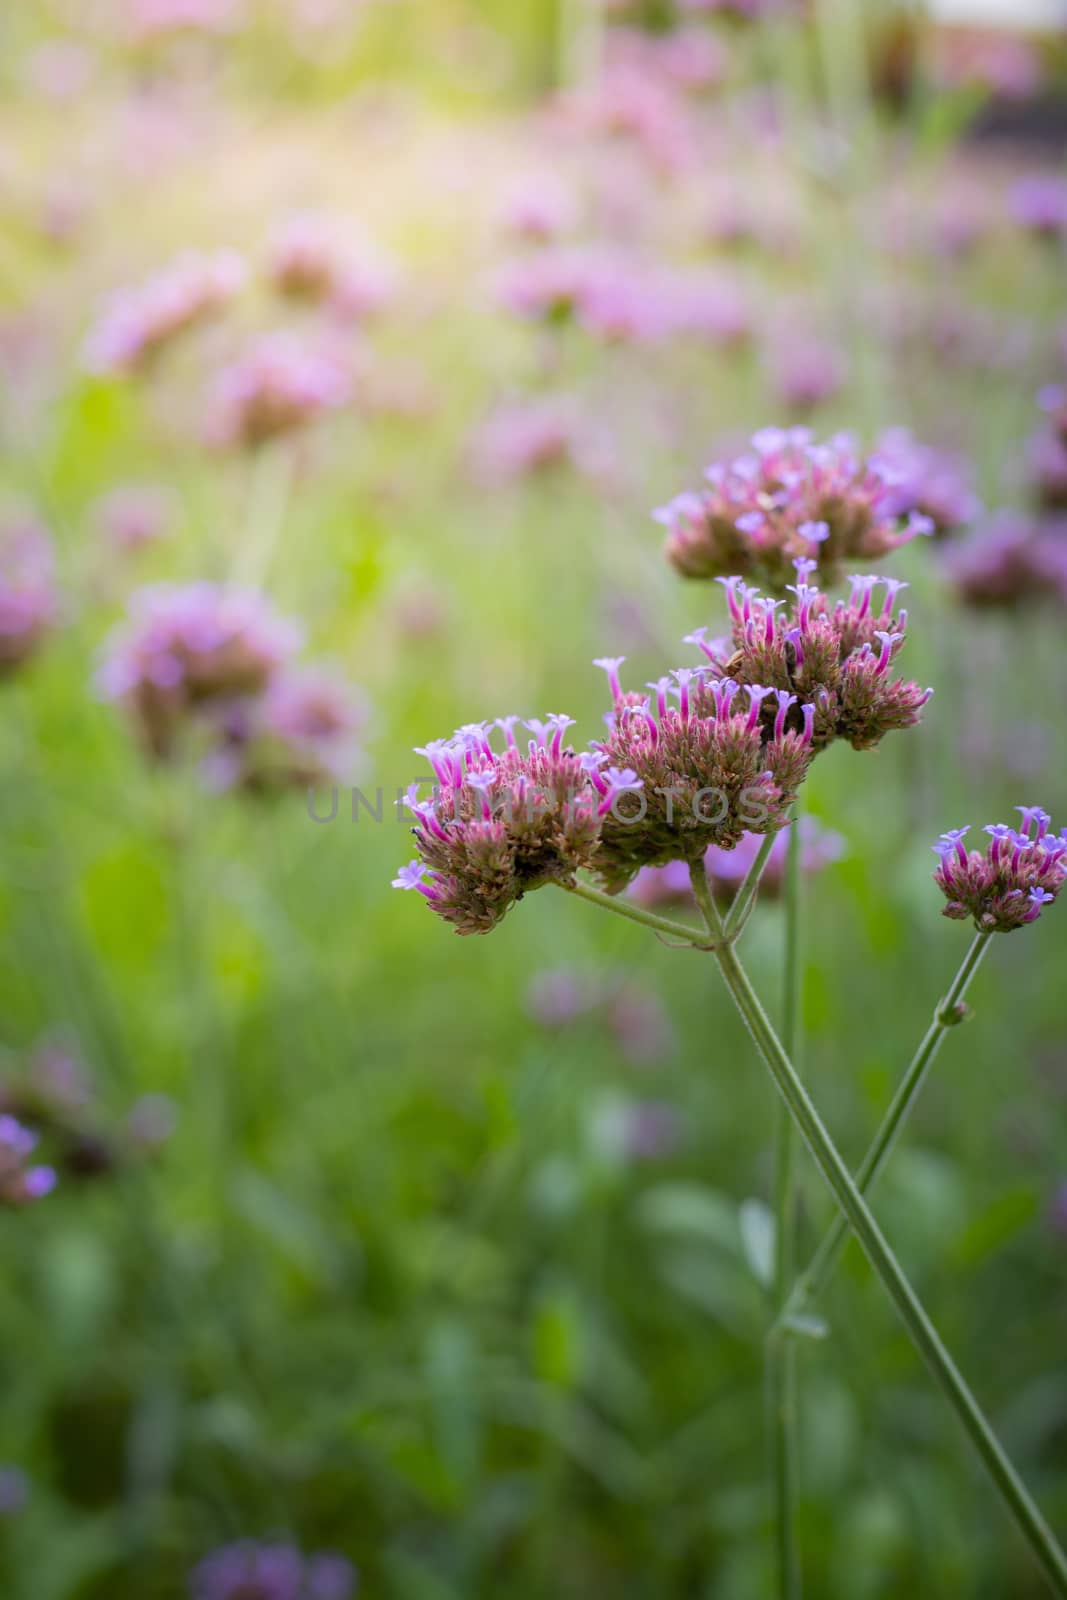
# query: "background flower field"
(449, 1256)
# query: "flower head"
(1006, 885)
(834, 660)
(759, 511)
(502, 823)
(28, 603)
(280, 384)
(1039, 204)
(140, 322)
(301, 731)
(21, 1182)
(703, 771)
(250, 1571)
(190, 648)
(931, 482)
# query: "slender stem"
(947, 1014)
(704, 898)
(269, 490)
(632, 913)
(1013, 1491)
(745, 897)
(781, 1353)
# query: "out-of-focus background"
(444, 1255)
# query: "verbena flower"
(535, 436)
(188, 648)
(153, 19)
(278, 386)
(784, 498)
(1038, 203)
(501, 823)
(140, 322)
(301, 731)
(539, 207)
(1008, 884)
(311, 260)
(933, 483)
(670, 885)
(723, 761)
(133, 515)
(1048, 469)
(21, 1182)
(251, 1571)
(28, 602)
(834, 661)
(805, 373)
(1012, 561)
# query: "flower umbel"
(834, 662)
(788, 497)
(502, 823)
(20, 1182)
(1006, 885)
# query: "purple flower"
(1011, 561)
(139, 323)
(1038, 203)
(300, 732)
(1008, 884)
(502, 824)
(757, 515)
(806, 373)
(187, 649)
(21, 1182)
(28, 602)
(535, 436)
(14, 1490)
(539, 207)
(927, 482)
(133, 515)
(250, 1571)
(281, 384)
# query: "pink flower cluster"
(217, 663)
(535, 436)
(785, 498)
(502, 823)
(281, 384)
(932, 483)
(835, 662)
(28, 603)
(310, 260)
(1008, 884)
(620, 300)
(21, 1182)
(141, 322)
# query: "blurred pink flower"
(534, 436)
(187, 648)
(28, 602)
(280, 384)
(133, 515)
(149, 19)
(140, 322)
(540, 207)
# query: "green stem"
(947, 1014)
(745, 898)
(1013, 1491)
(781, 1354)
(632, 913)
